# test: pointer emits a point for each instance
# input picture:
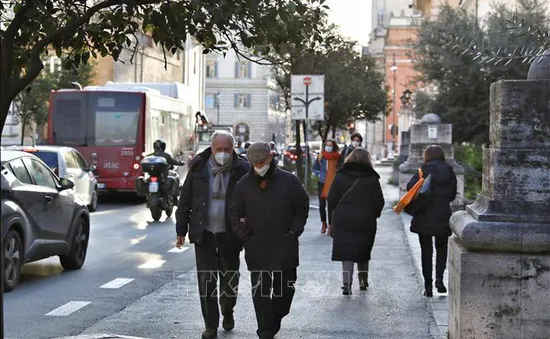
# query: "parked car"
(67, 162)
(41, 216)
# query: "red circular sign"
(307, 81)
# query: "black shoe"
(346, 289)
(210, 333)
(363, 281)
(440, 286)
(228, 322)
(428, 292)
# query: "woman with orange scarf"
(325, 169)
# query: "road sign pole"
(305, 139)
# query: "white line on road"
(117, 283)
(68, 308)
(178, 250)
(154, 263)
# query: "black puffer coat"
(192, 212)
(274, 219)
(434, 220)
(353, 222)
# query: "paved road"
(123, 237)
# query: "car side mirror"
(91, 168)
(66, 183)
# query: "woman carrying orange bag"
(325, 169)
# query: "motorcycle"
(160, 189)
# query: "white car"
(67, 162)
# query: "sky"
(353, 17)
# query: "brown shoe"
(324, 228)
(210, 333)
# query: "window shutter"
(250, 70)
(248, 100)
(236, 69)
(236, 100)
(216, 69)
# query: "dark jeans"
(272, 294)
(216, 260)
(322, 202)
(426, 247)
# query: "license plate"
(100, 185)
(153, 187)
(293, 162)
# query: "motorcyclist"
(159, 147)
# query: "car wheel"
(13, 260)
(79, 247)
(92, 207)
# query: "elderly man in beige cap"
(268, 213)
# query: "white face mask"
(355, 143)
(328, 149)
(262, 170)
(222, 157)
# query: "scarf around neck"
(219, 188)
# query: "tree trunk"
(333, 132)
(23, 126)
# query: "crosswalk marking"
(68, 308)
(117, 283)
(178, 250)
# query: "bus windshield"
(96, 118)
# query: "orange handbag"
(410, 195)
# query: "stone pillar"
(499, 258)
(403, 155)
(431, 131)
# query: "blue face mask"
(328, 149)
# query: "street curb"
(100, 336)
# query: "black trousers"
(322, 202)
(426, 248)
(272, 294)
(217, 261)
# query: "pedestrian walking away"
(324, 168)
(203, 214)
(355, 202)
(433, 220)
(268, 213)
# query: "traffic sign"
(308, 97)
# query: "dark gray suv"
(41, 216)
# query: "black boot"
(440, 286)
(346, 289)
(428, 289)
(210, 333)
(363, 280)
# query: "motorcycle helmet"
(159, 145)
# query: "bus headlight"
(136, 166)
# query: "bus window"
(116, 128)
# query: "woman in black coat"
(433, 221)
(355, 201)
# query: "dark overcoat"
(270, 214)
(434, 220)
(353, 221)
(192, 212)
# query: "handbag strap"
(347, 192)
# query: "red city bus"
(114, 128)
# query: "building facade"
(240, 93)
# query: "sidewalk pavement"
(438, 304)
(392, 307)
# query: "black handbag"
(422, 200)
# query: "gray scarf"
(219, 188)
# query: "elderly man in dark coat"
(203, 213)
(268, 213)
